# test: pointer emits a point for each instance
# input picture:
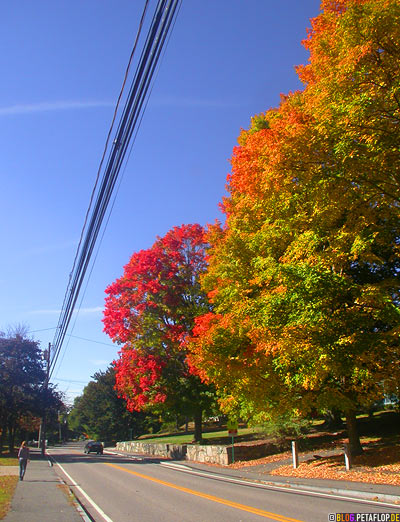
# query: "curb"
(349, 493)
(77, 503)
(352, 493)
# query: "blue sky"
(62, 68)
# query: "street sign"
(232, 426)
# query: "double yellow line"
(249, 509)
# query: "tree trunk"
(2, 433)
(198, 428)
(3, 430)
(352, 433)
(11, 436)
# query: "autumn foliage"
(150, 311)
(303, 276)
(296, 306)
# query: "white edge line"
(287, 489)
(132, 457)
(176, 466)
(92, 502)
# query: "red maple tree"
(150, 310)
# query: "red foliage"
(151, 310)
(137, 377)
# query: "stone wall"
(172, 451)
(213, 454)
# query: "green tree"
(21, 379)
(101, 414)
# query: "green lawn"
(7, 487)
(220, 437)
(8, 461)
(383, 424)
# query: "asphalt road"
(122, 489)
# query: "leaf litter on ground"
(377, 465)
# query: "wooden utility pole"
(42, 433)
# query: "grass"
(8, 461)
(7, 458)
(212, 437)
(7, 487)
(68, 493)
(383, 425)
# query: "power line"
(42, 330)
(91, 340)
(110, 131)
(64, 319)
(162, 19)
(74, 336)
(70, 381)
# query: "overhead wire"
(161, 23)
(125, 128)
(110, 130)
(112, 168)
(78, 250)
(132, 142)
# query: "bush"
(285, 426)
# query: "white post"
(295, 454)
(347, 457)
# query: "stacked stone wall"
(198, 453)
(172, 451)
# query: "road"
(115, 488)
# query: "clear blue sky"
(62, 67)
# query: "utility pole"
(59, 427)
(42, 433)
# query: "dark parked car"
(94, 447)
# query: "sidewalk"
(41, 496)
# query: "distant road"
(122, 489)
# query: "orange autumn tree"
(352, 89)
(304, 275)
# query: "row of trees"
(293, 304)
(101, 415)
(24, 399)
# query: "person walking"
(23, 456)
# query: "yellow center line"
(243, 507)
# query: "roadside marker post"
(295, 454)
(233, 430)
(347, 456)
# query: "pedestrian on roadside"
(23, 456)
